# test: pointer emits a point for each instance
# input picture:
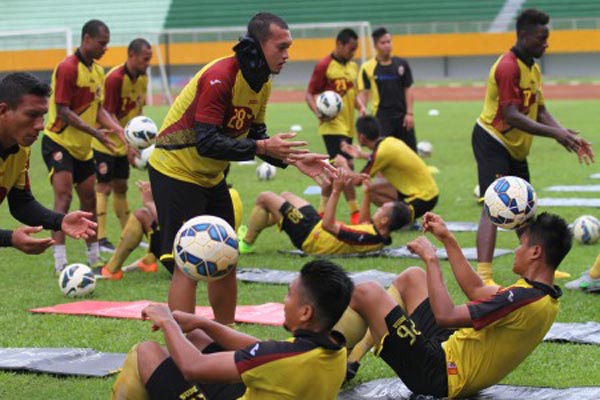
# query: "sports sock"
(259, 220)
(129, 384)
(595, 270)
(131, 236)
(322, 204)
(353, 204)
(101, 206)
(60, 256)
(121, 208)
(352, 326)
(92, 251)
(484, 269)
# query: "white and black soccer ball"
(77, 280)
(265, 172)
(509, 202)
(586, 229)
(141, 132)
(141, 161)
(329, 103)
(206, 248)
(424, 149)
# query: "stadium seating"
(566, 9)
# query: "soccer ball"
(141, 162)
(141, 132)
(265, 172)
(509, 202)
(586, 229)
(329, 103)
(77, 280)
(424, 149)
(206, 248)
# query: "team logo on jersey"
(401, 70)
(102, 168)
(57, 156)
(452, 368)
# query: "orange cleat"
(104, 273)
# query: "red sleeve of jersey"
(318, 80)
(65, 83)
(507, 77)
(214, 93)
(112, 93)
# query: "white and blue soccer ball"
(509, 202)
(206, 248)
(329, 103)
(141, 132)
(586, 229)
(141, 161)
(77, 280)
(265, 172)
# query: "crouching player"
(207, 360)
(442, 349)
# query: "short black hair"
(530, 18)
(328, 288)
(368, 126)
(137, 45)
(259, 26)
(346, 35)
(93, 28)
(401, 216)
(378, 33)
(16, 85)
(552, 233)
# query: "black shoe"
(106, 246)
(351, 370)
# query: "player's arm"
(316, 85)
(360, 105)
(110, 122)
(228, 338)
(364, 214)
(328, 222)
(364, 85)
(409, 96)
(259, 132)
(26, 209)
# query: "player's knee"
(120, 186)
(263, 198)
(149, 351)
(143, 215)
(365, 293)
(63, 199)
(411, 277)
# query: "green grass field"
(28, 281)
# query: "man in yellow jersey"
(125, 90)
(337, 72)
(208, 360)
(315, 235)
(75, 109)
(442, 349)
(406, 177)
(220, 117)
(23, 103)
(513, 113)
(388, 79)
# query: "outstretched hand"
(21, 239)
(572, 142)
(314, 166)
(280, 147)
(78, 225)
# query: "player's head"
(346, 43)
(382, 41)
(318, 297)
(95, 36)
(23, 103)
(274, 36)
(139, 54)
(532, 32)
(547, 238)
(392, 216)
(368, 129)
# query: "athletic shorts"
(58, 159)
(413, 348)
(394, 126)
(167, 382)
(110, 167)
(333, 144)
(419, 207)
(298, 223)
(493, 160)
(178, 201)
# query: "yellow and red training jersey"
(217, 95)
(512, 81)
(14, 167)
(79, 87)
(351, 239)
(333, 74)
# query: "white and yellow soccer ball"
(265, 172)
(77, 280)
(424, 149)
(206, 248)
(141, 132)
(509, 202)
(141, 162)
(586, 229)
(329, 103)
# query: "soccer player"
(23, 103)
(125, 90)
(220, 117)
(513, 113)
(388, 79)
(313, 235)
(75, 109)
(406, 177)
(442, 349)
(207, 360)
(338, 72)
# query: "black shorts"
(110, 167)
(154, 239)
(167, 382)
(393, 126)
(419, 207)
(333, 144)
(178, 201)
(493, 160)
(413, 348)
(57, 159)
(298, 223)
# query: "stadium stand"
(567, 9)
